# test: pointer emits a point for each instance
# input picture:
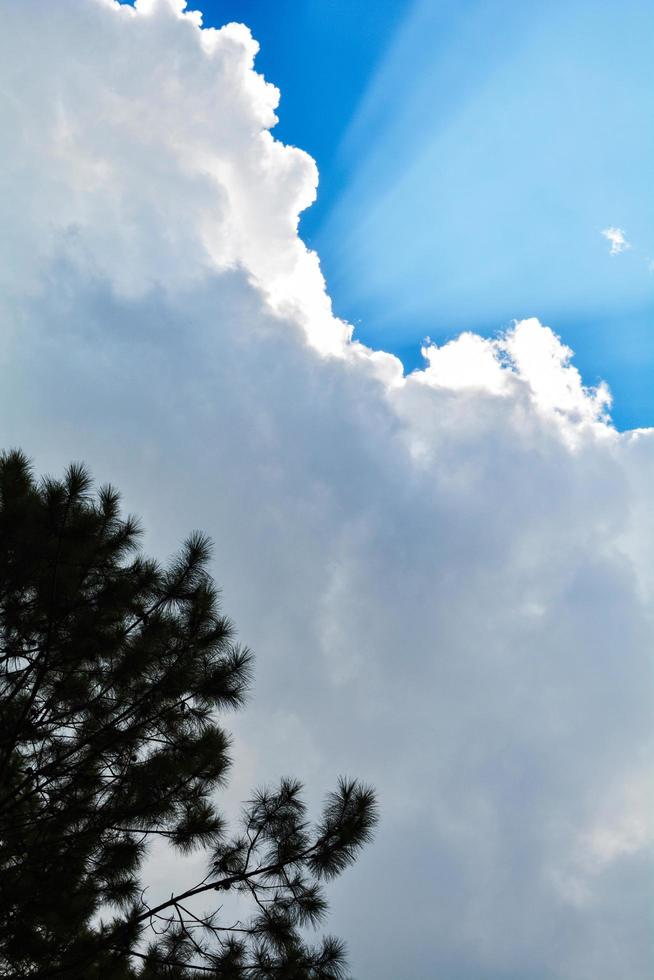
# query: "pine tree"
(114, 670)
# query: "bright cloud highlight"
(617, 239)
(447, 578)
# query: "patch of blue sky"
(495, 143)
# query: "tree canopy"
(114, 671)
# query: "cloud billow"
(446, 577)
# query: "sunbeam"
(514, 135)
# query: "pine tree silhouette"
(113, 672)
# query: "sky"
(446, 576)
(516, 135)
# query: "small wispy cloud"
(617, 239)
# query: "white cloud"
(529, 355)
(617, 239)
(447, 578)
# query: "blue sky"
(471, 154)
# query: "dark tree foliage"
(113, 672)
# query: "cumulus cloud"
(447, 577)
(616, 237)
(529, 355)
